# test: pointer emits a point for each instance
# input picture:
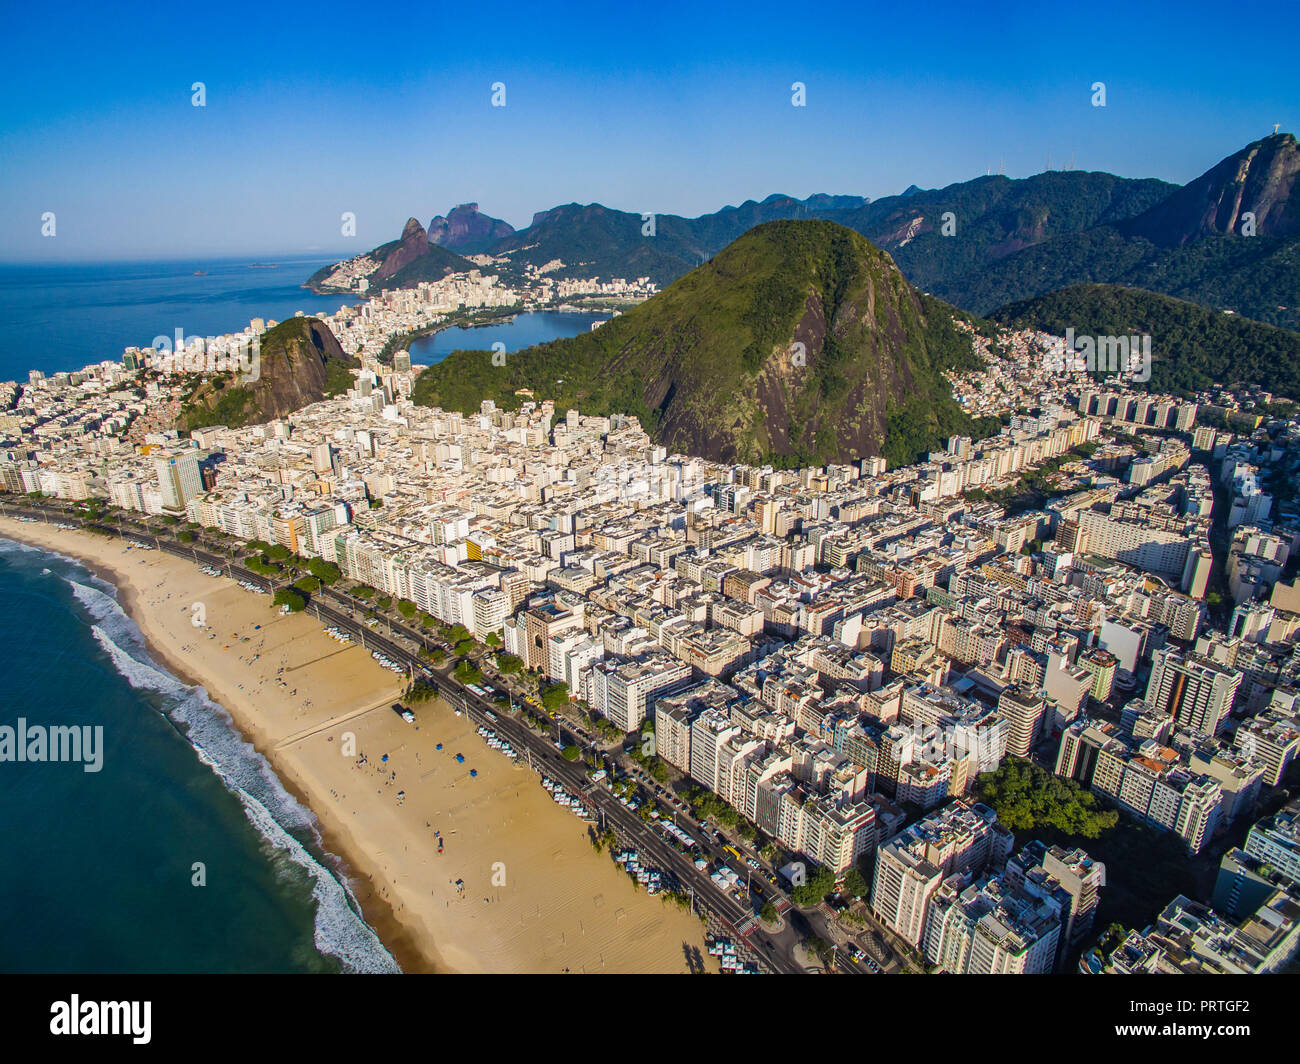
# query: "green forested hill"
(711, 367)
(1191, 347)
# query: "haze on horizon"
(313, 113)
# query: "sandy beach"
(535, 897)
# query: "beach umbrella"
(384, 758)
(473, 772)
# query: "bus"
(734, 852)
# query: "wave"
(339, 929)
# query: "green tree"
(1026, 797)
(856, 884)
(466, 673)
(815, 888)
(819, 947)
(326, 572)
(556, 696)
(291, 597)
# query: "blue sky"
(672, 108)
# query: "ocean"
(99, 867)
(69, 315)
(66, 316)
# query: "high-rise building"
(1100, 665)
(1273, 743)
(179, 478)
(1081, 744)
(709, 733)
(623, 691)
(322, 458)
(991, 927)
(1195, 691)
(540, 624)
(1276, 841)
(1023, 710)
(1078, 875)
(1152, 784)
(909, 868)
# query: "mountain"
(401, 263)
(301, 362)
(1007, 239)
(1190, 245)
(1258, 180)
(991, 218)
(1192, 347)
(994, 217)
(711, 365)
(977, 244)
(465, 230)
(594, 240)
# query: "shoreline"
(382, 849)
(377, 912)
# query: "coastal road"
(774, 950)
(545, 758)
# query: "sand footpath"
(535, 897)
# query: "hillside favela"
(832, 584)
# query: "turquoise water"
(98, 867)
